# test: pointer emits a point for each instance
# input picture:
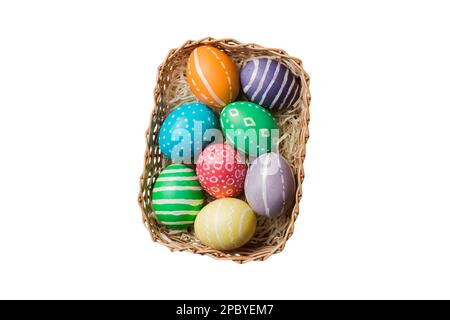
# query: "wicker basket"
(172, 90)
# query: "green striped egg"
(177, 196)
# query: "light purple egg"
(270, 185)
(269, 83)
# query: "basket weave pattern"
(172, 90)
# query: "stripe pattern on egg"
(269, 83)
(177, 196)
(212, 76)
(270, 185)
(225, 224)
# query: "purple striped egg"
(269, 83)
(270, 185)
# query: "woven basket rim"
(228, 43)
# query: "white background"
(76, 81)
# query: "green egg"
(177, 196)
(249, 127)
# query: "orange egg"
(212, 76)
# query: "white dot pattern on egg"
(184, 131)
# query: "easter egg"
(177, 196)
(221, 171)
(187, 131)
(269, 83)
(270, 185)
(212, 76)
(249, 127)
(225, 224)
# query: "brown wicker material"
(172, 90)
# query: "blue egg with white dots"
(187, 130)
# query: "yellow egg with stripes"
(212, 76)
(225, 224)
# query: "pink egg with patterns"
(270, 185)
(221, 171)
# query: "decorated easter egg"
(186, 131)
(212, 76)
(221, 171)
(249, 127)
(225, 224)
(177, 196)
(269, 83)
(270, 185)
